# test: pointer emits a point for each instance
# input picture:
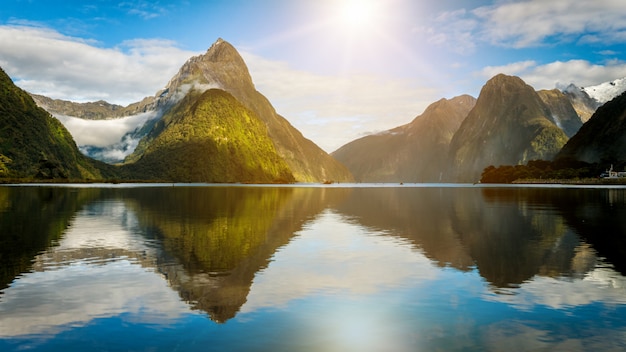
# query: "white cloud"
(559, 73)
(334, 110)
(528, 23)
(515, 69)
(453, 30)
(599, 285)
(102, 133)
(329, 110)
(43, 61)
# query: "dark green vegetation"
(209, 137)
(538, 171)
(415, 152)
(34, 145)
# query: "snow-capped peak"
(606, 91)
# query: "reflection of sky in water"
(332, 256)
(89, 275)
(336, 286)
(105, 224)
(599, 285)
(72, 296)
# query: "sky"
(335, 69)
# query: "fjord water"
(302, 268)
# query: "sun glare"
(357, 13)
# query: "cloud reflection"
(332, 255)
(601, 285)
(99, 269)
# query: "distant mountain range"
(454, 140)
(209, 124)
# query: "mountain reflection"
(31, 218)
(220, 237)
(509, 235)
(210, 244)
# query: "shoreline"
(582, 181)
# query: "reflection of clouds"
(332, 255)
(74, 287)
(52, 301)
(516, 336)
(599, 285)
(106, 224)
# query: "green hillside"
(33, 144)
(209, 137)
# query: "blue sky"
(336, 69)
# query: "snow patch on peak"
(606, 91)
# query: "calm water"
(405, 268)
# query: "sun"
(357, 14)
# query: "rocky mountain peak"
(220, 67)
(504, 85)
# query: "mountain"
(584, 105)
(209, 137)
(34, 144)
(509, 125)
(602, 138)
(587, 99)
(222, 67)
(606, 91)
(562, 112)
(415, 152)
(98, 110)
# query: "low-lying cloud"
(107, 140)
(102, 133)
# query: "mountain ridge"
(509, 125)
(223, 68)
(414, 152)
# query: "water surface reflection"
(311, 268)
